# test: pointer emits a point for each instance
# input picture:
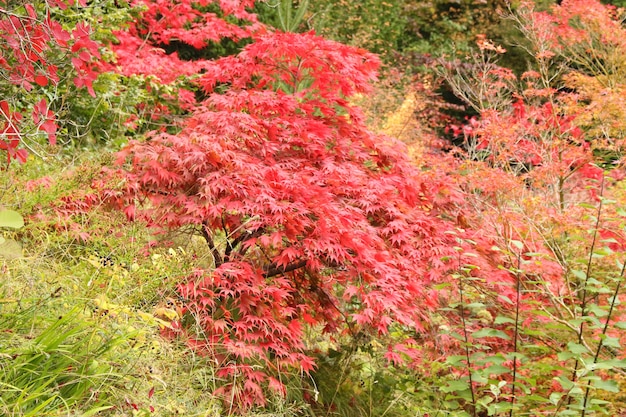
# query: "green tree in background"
(393, 28)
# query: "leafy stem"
(583, 297)
(518, 291)
(467, 345)
(604, 330)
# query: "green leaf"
(515, 355)
(612, 342)
(503, 319)
(12, 219)
(497, 370)
(499, 408)
(608, 385)
(615, 363)
(565, 383)
(10, 249)
(608, 364)
(455, 386)
(596, 310)
(479, 377)
(490, 333)
(455, 360)
(451, 405)
(505, 298)
(599, 402)
(499, 358)
(576, 348)
(538, 399)
(457, 336)
(592, 281)
(486, 400)
(610, 240)
(564, 355)
(555, 397)
(601, 252)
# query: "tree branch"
(229, 247)
(273, 270)
(209, 240)
(258, 232)
(239, 239)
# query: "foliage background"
(521, 153)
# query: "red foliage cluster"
(29, 40)
(584, 22)
(140, 48)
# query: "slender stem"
(227, 235)
(466, 337)
(604, 330)
(232, 245)
(562, 193)
(583, 298)
(516, 332)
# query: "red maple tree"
(310, 218)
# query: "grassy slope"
(80, 320)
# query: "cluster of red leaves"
(582, 31)
(533, 140)
(313, 220)
(539, 137)
(29, 41)
(140, 48)
(585, 22)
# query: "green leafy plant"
(13, 220)
(288, 17)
